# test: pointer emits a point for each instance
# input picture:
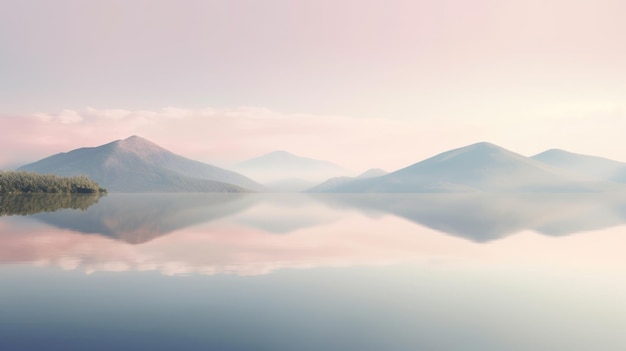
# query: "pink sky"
(360, 83)
(224, 136)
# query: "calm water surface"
(300, 272)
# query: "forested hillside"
(30, 183)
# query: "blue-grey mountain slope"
(279, 166)
(138, 165)
(592, 166)
(290, 185)
(477, 167)
(332, 183)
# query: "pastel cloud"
(65, 117)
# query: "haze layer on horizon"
(360, 83)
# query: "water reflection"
(256, 234)
(342, 267)
(138, 218)
(485, 217)
(28, 204)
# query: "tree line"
(17, 182)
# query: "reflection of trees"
(27, 204)
(138, 218)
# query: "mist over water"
(314, 272)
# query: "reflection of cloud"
(282, 214)
(236, 234)
(226, 247)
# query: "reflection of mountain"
(138, 165)
(28, 204)
(138, 218)
(320, 230)
(485, 217)
(286, 213)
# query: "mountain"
(290, 185)
(591, 166)
(477, 167)
(372, 172)
(335, 182)
(138, 165)
(282, 167)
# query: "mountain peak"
(554, 152)
(591, 166)
(136, 164)
(137, 144)
(135, 138)
(477, 167)
(474, 153)
(483, 145)
(280, 165)
(551, 154)
(280, 153)
(281, 156)
(372, 172)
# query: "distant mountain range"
(138, 165)
(478, 167)
(590, 166)
(284, 171)
(336, 182)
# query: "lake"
(313, 272)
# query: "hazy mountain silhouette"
(372, 172)
(138, 165)
(477, 167)
(289, 185)
(283, 167)
(138, 218)
(335, 182)
(591, 166)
